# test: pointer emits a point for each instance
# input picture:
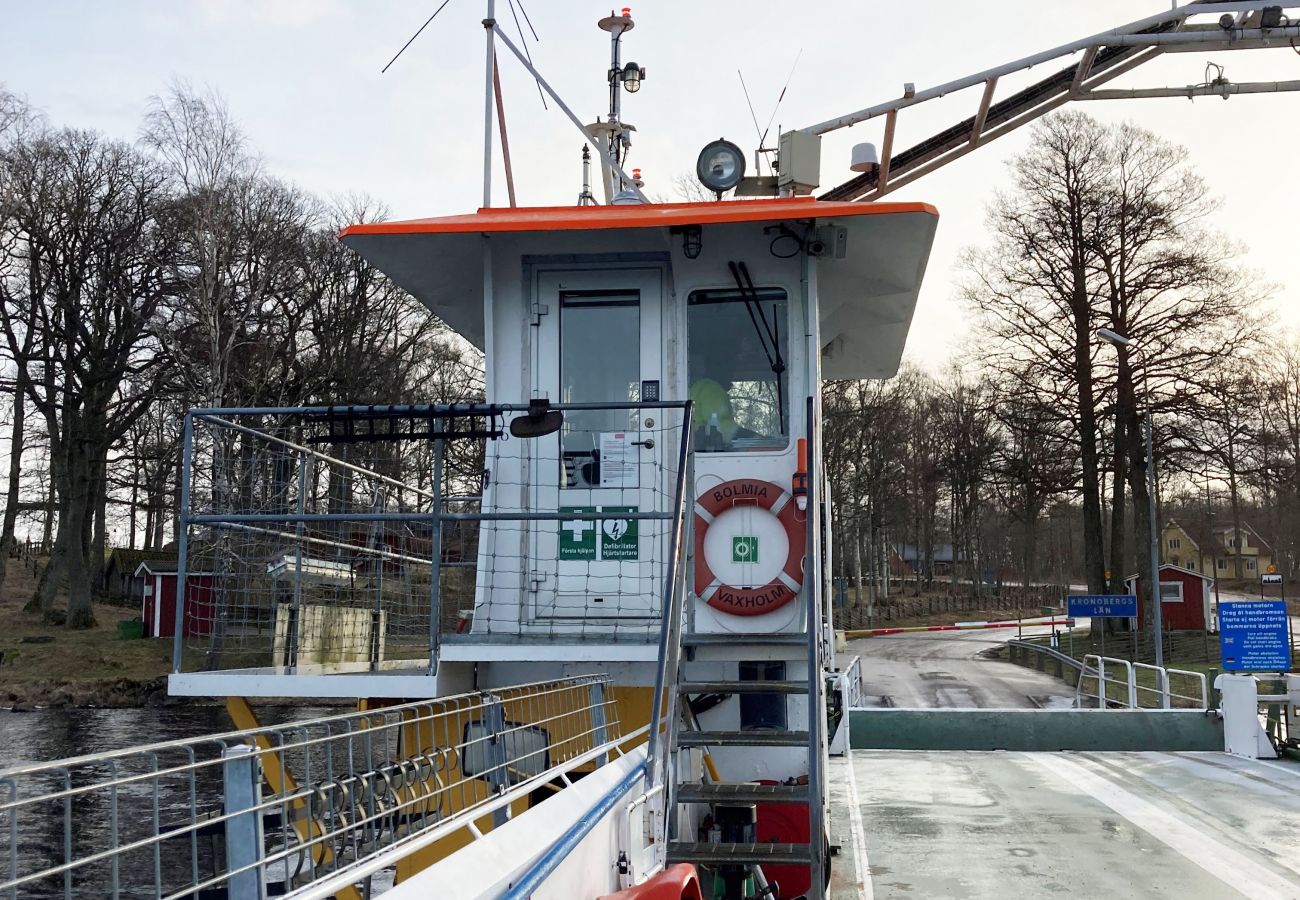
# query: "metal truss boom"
(1105, 56)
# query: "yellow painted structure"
(631, 706)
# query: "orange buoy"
(677, 882)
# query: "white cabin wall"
(748, 243)
(503, 551)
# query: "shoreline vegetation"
(48, 666)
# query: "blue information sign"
(1094, 606)
(1253, 636)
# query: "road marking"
(1230, 866)
(1290, 770)
(1239, 765)
(858, 833)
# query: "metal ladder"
(683, 733)
(681, 730)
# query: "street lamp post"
(1157, 619)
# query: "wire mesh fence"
(349, 539)
(188, 818)
(588, 558)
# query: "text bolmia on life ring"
(749, 601)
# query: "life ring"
(780, 590)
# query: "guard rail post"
(244, 841)
(599, 730)
(495, 761)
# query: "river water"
(51, 734)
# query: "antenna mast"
(613, 132)
(586, 198)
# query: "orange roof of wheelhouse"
(637, 215)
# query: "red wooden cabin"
(1185, 596)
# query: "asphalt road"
(944, 669)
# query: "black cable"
(771, 248)
(414, 36)
(524, 43)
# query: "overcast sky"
(303, 79)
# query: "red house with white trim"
(1185, 596)
(156, 581)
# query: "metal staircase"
(692, 792)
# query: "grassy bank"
(47, 665)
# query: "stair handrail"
(670, 629)
(816, 634)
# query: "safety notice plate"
(618, 460)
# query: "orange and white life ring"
(749, 601)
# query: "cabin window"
(738, 351)
(600, 362)
(1171, 592)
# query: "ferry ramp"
(970, 824)
(1110, 819)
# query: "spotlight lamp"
(721, 166)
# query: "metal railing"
(1134, 694)
(1044, 658)
(1114, 682)
(850, 685)
(1097, 674)
(280, 808)
(1164, 696)
(328, 540)
(815, 624)
(660, 772)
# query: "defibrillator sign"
(618, 537)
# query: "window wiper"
(767, 334)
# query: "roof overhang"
(866, 299)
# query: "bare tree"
(88, 220)
(1106, 227)
(1035, 290)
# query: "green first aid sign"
(578, 536)
(744, 549)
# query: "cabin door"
(598, 341)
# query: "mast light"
(632, 77)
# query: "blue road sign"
(1253, 636)
(1093, 606)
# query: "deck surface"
(1195, 826)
